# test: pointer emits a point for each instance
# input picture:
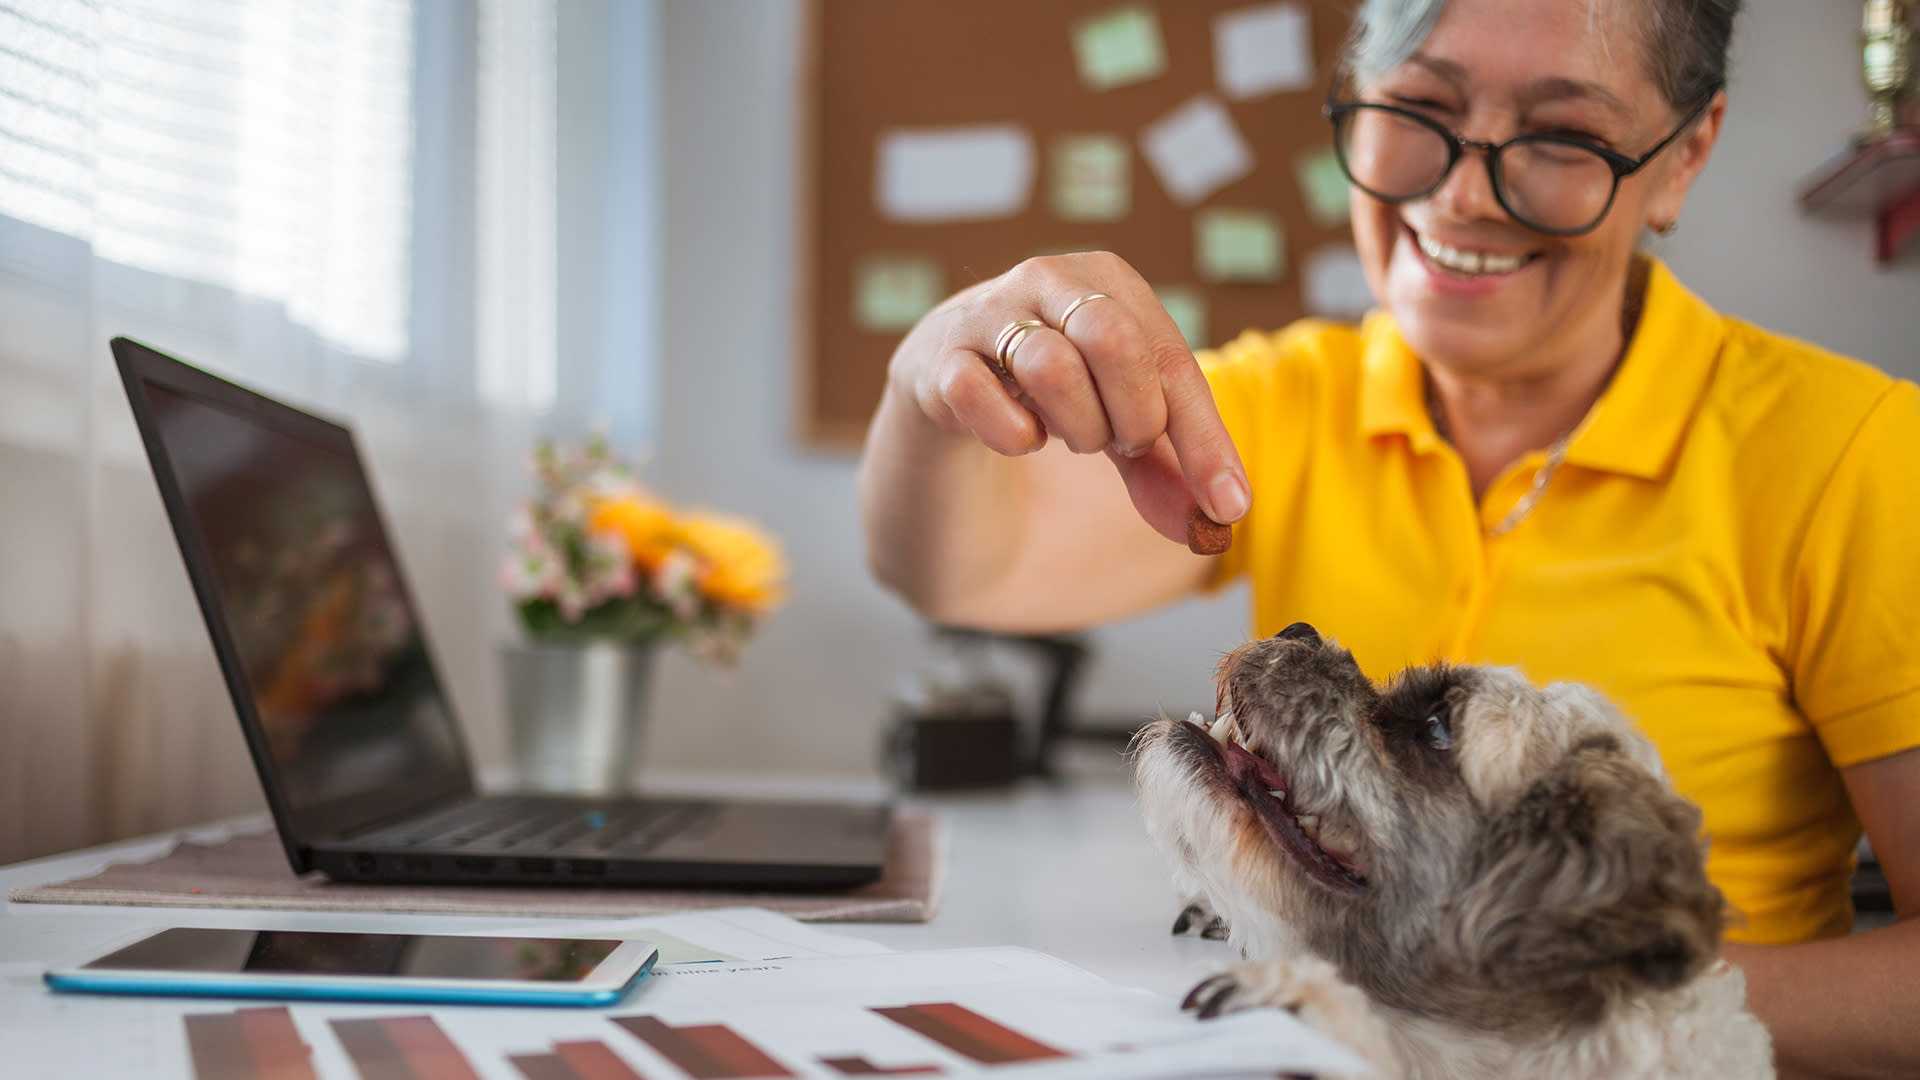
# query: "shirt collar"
(1636, 426)
(1393, 388)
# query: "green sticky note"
(1118, 47)
(891, 292)
(1188, 307)
(1323, 186)
(1091, 177)
(1238, 245)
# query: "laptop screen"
(313, 601)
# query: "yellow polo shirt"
(1728, 552)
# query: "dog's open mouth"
(1264, 789)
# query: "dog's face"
(1461, 844)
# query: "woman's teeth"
(1468, 262)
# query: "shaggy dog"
(1457, 874)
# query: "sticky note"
(1323, 186)
(1188, 307)
(1262, 50)
(1238, 245)
(970, 173)
(1119, 47)
(1334, 284)
(1196, 150)
(891, 292)
(1091, 177)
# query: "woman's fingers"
(1058, 383)
(1123, 372)
(1206, 452)
(962, 395)
(1105, 369)
(1151, 362)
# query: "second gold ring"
(1005, 345)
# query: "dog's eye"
(1437, 732)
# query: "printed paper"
(1333, 284)
(1196, 150)
(1238, 245)
(1091, 178)
(1323, 186)
(972, 173)
(1261, 50)
(1119, 47)
(891, 292)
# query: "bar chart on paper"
(248, 1044)
(958, 1013)
(402, 1048)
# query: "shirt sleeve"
(1855, 638)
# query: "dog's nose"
(1300, 632)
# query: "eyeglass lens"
(1545, 184)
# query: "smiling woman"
(1541, 451)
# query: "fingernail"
(1135, 451)
(1228, 497)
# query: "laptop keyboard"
(515, 825)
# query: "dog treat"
(1206, 536)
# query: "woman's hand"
(1113, 376)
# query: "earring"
(1665, 228)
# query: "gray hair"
(1686, 42)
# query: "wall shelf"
(1879, 180)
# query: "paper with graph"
(798, 1012)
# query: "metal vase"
(576, 712)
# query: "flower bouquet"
(595, 556)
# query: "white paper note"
(1333, 283)
(1196, 150)
(1261, 50)
(973, 173)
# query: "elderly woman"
(1541, 450)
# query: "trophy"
(1887, 60)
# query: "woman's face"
(1470, 288)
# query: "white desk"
(1066, 870)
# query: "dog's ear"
(1590, 887)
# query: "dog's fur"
(1503, 881)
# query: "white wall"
(812, 692)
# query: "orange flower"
(649, 527)
(740, 566)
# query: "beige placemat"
(250, 871)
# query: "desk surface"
(1065, 869)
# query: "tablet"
(332, 965)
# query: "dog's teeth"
(1279, 793)
(1222, 731)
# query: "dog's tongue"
(1244, 762)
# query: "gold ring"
(1075, 306)
(1009, 341)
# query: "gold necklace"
(1556, 456)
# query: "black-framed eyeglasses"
(1558, 184)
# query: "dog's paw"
(1302, 985)
(1311, 989)
(1281, 984)
(1200, 918)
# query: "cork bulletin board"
(947, 141)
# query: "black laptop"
(364, 765)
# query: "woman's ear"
(1682, 162)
